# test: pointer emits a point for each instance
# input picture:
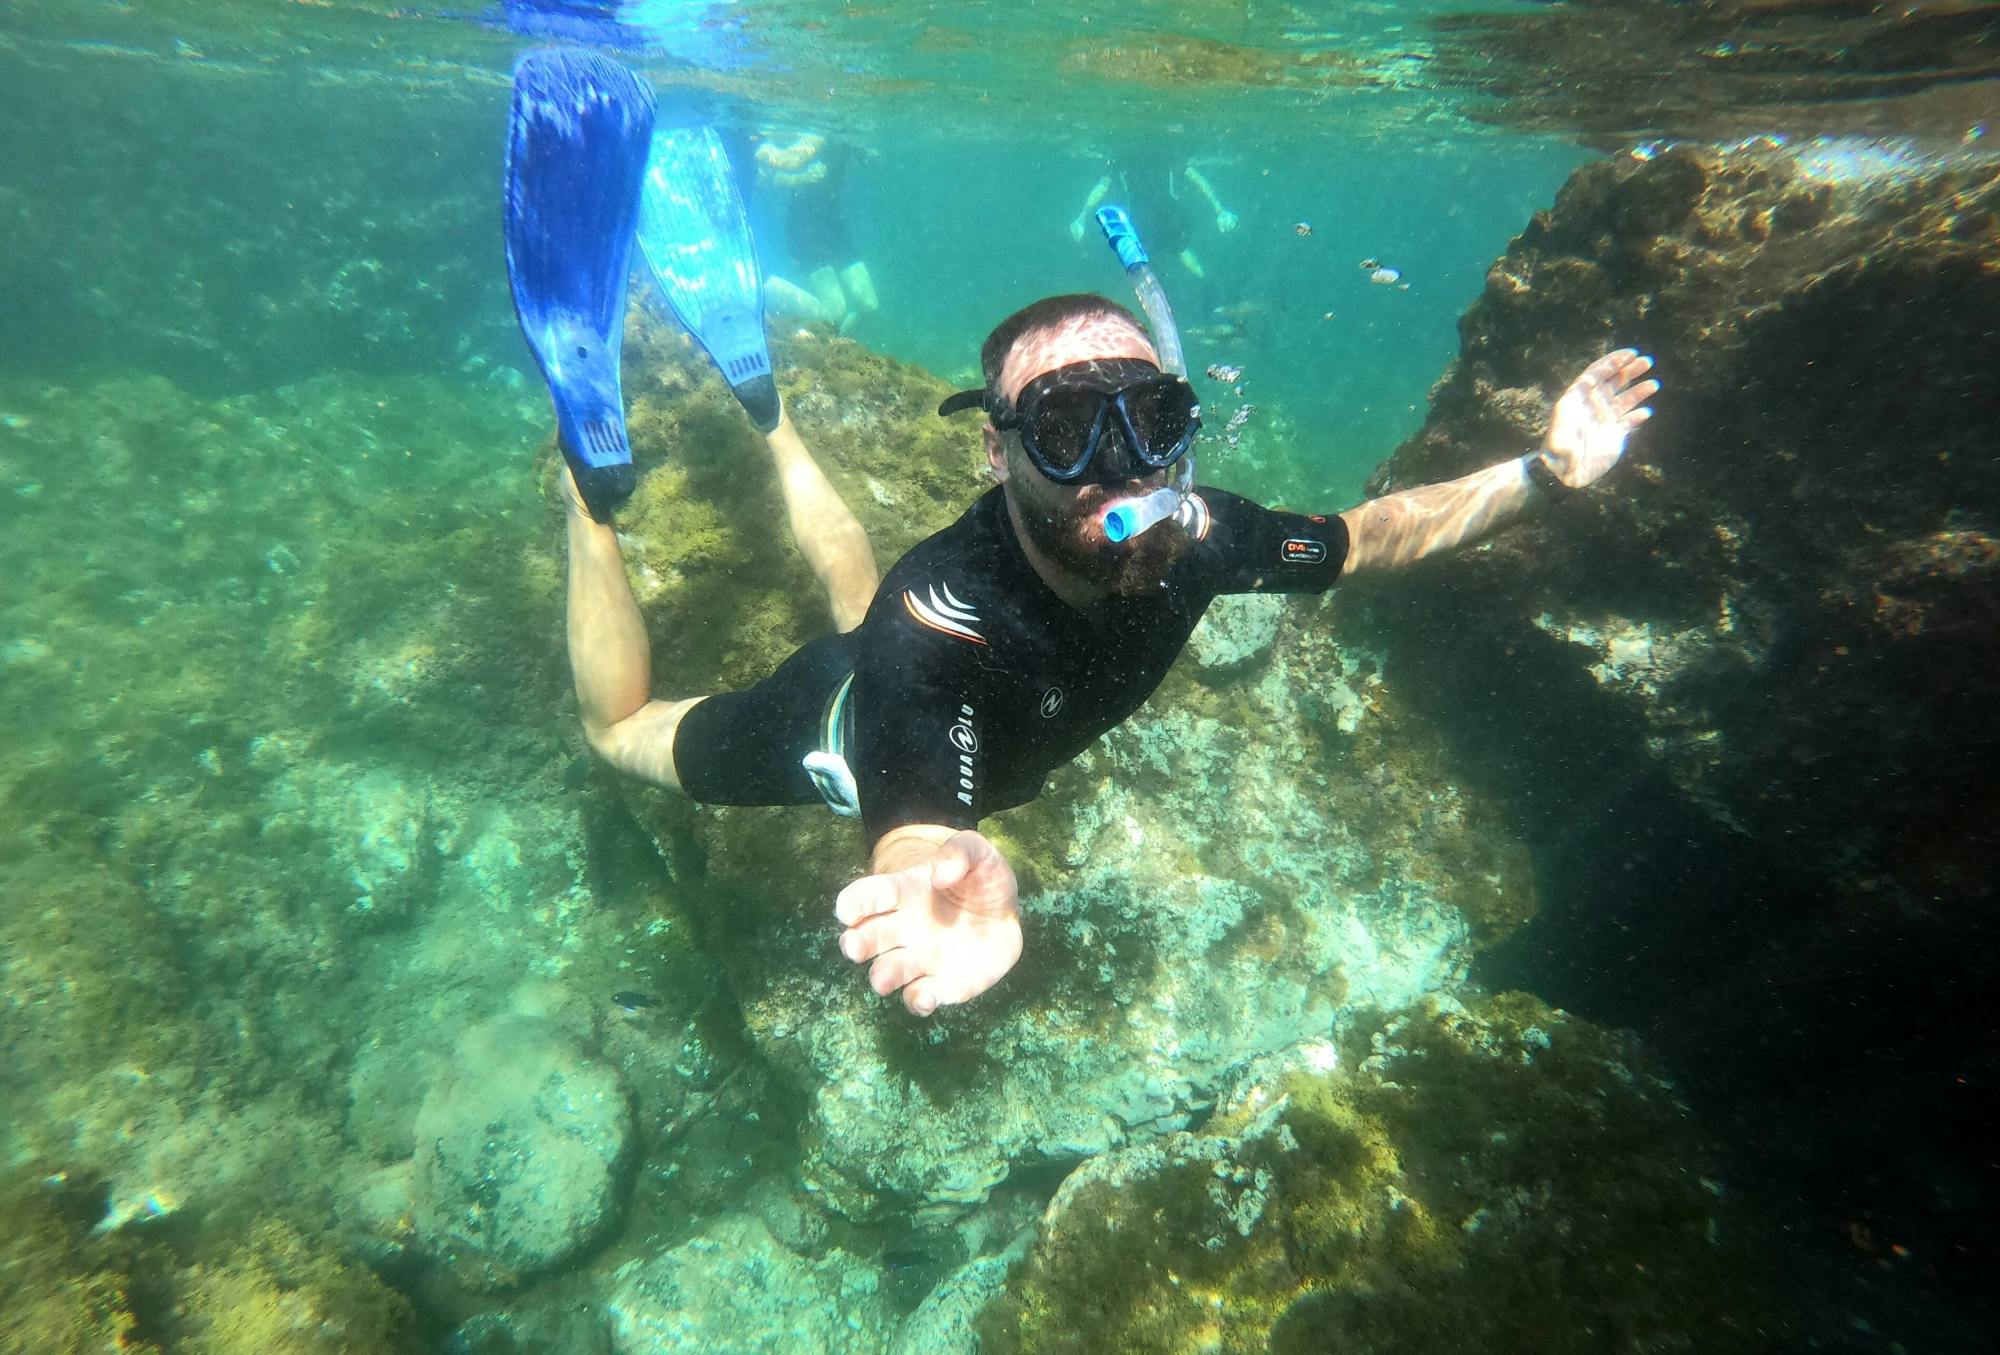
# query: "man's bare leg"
(609, 658)
(828, 534)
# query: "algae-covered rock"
(735, 1291)
(279, 1294)
(520, 1154)
(70, 1288)
(1795, 567)
(1483, 1176)
(63, 1291)
(1237, 633)
(1743, 697)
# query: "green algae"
(62, 1291)
(278, 1294)
(1493, 1177)
(67, 1290)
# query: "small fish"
(906, 1258)
(632, 1001)
(1384, 276)
(1302, 229)
(1223, 372)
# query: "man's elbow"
(603, 740)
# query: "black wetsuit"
(973, 680)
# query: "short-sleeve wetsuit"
(973, 680)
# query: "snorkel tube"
(1123, 519)
(1138, 265)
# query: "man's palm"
(1595, 416)
(944, 931)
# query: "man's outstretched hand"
(1596, 414)
(943, 929)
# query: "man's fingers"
(961, 854)
(867, 896)
(872, 936)
(892, 971)
(872, 894)
(1606, 367)
(923, 996)
(1639, 394)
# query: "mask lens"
(1162, 414)
(1061, 423)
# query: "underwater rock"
(735, 1291)
(1236, 634)
(945, 1323)
(1428, 1188)
(1789, 572)
(1233, 872)
(521, 1155)
(1743, 697)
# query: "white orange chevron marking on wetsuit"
(946, 614)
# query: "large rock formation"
(1741, 698)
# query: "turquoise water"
(348, 1003)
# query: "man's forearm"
(608, 654)
(1397, 529)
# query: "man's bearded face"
(1061, 520)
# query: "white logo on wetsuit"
(967, 743)
(945, 613)
(1052, 701)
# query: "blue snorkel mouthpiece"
(1129, 517)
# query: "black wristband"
(1543, 477)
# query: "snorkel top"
(1124, 240)
(1126, 518)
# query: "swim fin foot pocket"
(577, 140)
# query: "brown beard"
(1060, 522)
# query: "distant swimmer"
(1000, 648)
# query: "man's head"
(1061, 519)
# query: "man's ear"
(996, 455)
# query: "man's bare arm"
(1587, 434)
(1398, 529)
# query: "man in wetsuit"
(1003, 646)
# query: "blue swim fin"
(694, 235)
(576, 152)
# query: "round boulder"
(520, 1152)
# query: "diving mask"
(1064, 415)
